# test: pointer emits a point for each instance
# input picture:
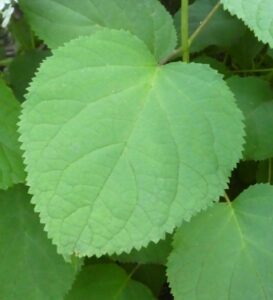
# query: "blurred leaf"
(107, 282)
(22, 69)
(255, 98)
(30, 267)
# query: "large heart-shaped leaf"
(120, 150)
(59, 21)
(256, 14)
(226, 252)
(11, 164)
(30, 267)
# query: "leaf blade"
(11, 166)
(222, 254)
(116, 285)
(255, 14)
(255, 99)
(59, 21)
(128, 186)
(31, 268)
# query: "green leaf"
(255, 98)
(152, 254)
(246, 50)
(107, 281)
(222, 30)
(255, 14)
(11, 164)
(153, 276)
(30, 268)
(59, 21)
(120, 150)
(22, 33)
(226, 252)
(214, 64)
(22, 69)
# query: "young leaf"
(30, 268)
(256, 14)
(152, 254)
(226, 252)
(107, 281)
(59, 21)
(120, 150)
(255, 98)
(222, 30)
(11, 164)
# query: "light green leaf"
(30, 267)
(59, 21)
(11, 164)
(222, 30)
(255, 98)
(226, 252)
(152, 254)
(107, 282)
(256, 14)
(120, 150)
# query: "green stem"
(204, 22)
(227, 198)
(185, 30)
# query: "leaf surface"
(255, 99)
(107, 281)
(256, 14)
(120, 150)
(11, 164)
(30, 268)
(226, 252)
(59, 21)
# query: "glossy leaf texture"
(120, 150)
(255, 98)
(257, 15)
(107, 281)
(226, 252)
(30, 268)
(59, 21)
(223, 30)
(11, 163)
